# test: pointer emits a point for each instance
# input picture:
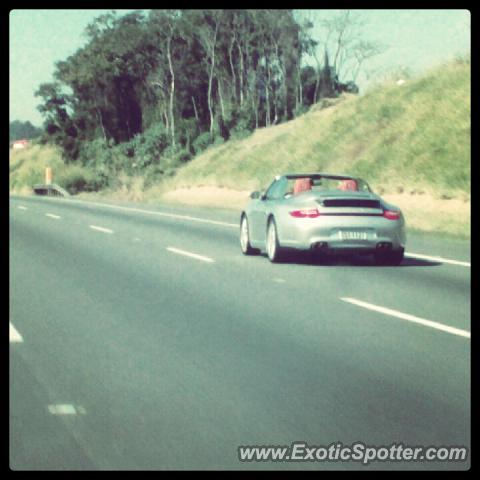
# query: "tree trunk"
(210, 79)
(161, 103)
(357, 71)
(221, 98)
(242, 72)
(195, 108)
(283, 85)
(255, 109)
(172, 89)
(267, 95)
(317, 83)
(284, 82)
(187, 146)
(165, 116)
(275, 105)
(300, 87)
(99, 116)
(234, 77)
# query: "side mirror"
(255, 195)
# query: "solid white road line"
(190, 254)
(161, 214)
(101, 229)
(15, 337)
(437, 259)
(21, 207)
(51, 215)
(410, 318)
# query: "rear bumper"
(307, 233)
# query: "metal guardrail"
(50, 190)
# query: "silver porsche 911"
(324, 213)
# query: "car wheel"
(392, 258)
(274, 251)
(245, 238)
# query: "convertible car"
(322, 213)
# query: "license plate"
(352, 235)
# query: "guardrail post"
(50, 190)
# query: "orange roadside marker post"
(48, 175)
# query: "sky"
(419, 39)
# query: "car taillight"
(391, 214)
(306, 213)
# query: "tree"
(106, 74)
(197, 73)
(58, 123)
(206, 23)
(340, 39)
(165, 27)
(19, 130)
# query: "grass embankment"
(27, 168)
(410, 142)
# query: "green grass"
(413, 136)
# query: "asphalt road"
(143, 340)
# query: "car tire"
(392, 258)
(274, 251)
(245, 246)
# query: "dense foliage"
(19, 130)
(167, 84)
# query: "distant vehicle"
(320, 212)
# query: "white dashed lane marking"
(15, 337)
(101, 229)
(66, 409)
(190, 254)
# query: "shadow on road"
(350, 260)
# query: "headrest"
(302, 185)
(348, 185)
